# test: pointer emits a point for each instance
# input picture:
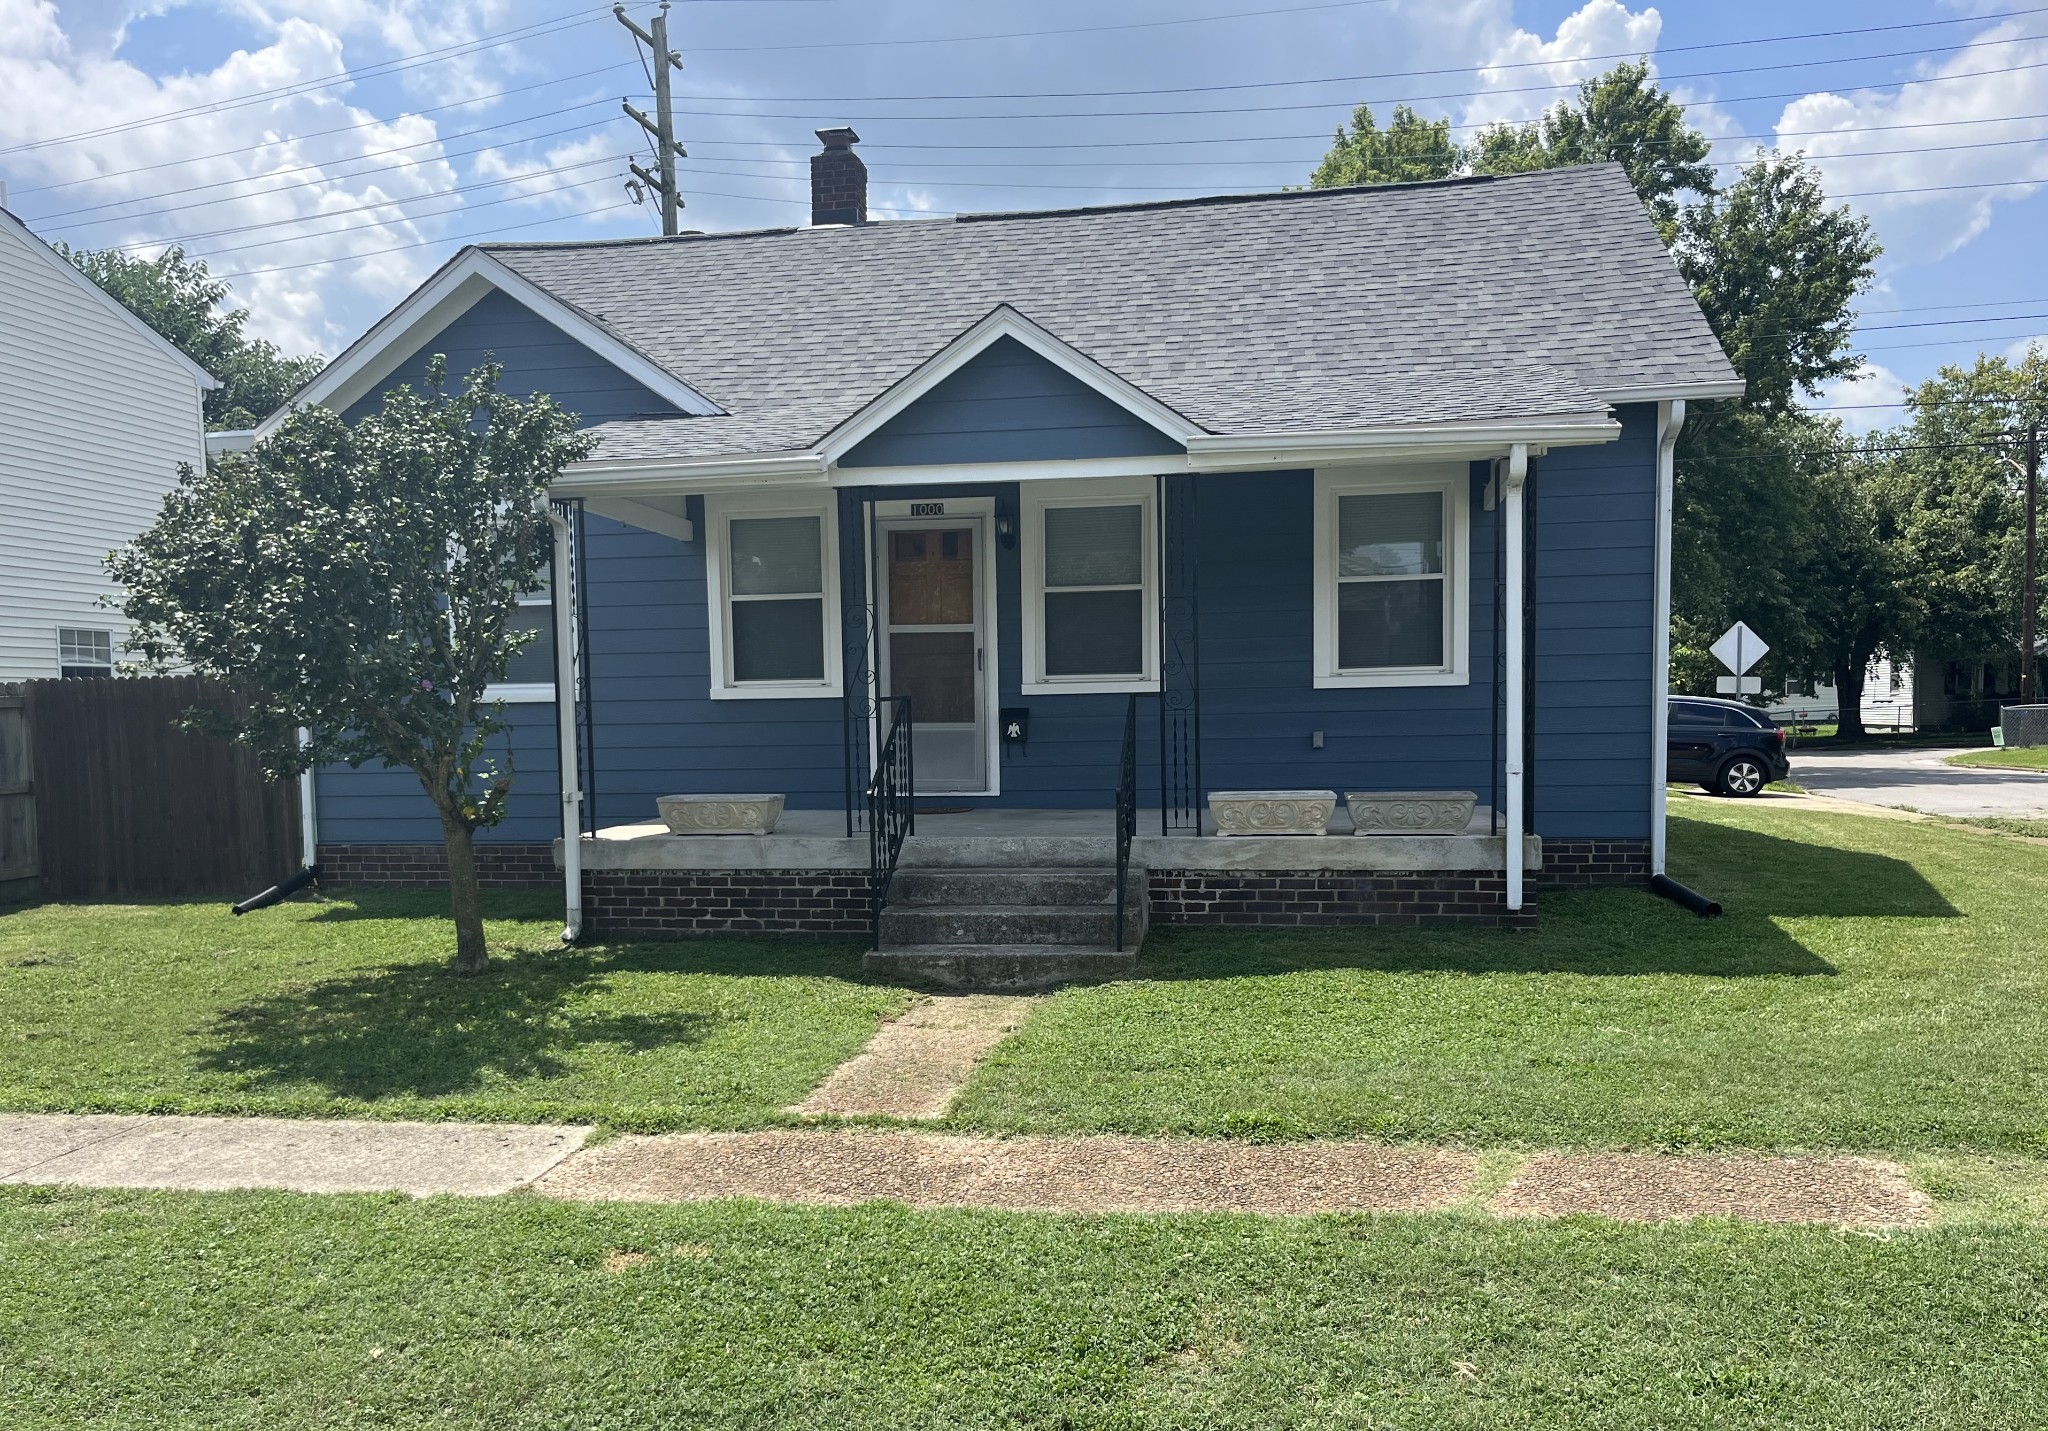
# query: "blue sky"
(329, 154)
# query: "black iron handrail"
(892, 809)
(1126, 811)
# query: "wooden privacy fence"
(126, 804)
(18, 866)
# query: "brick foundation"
(726, 901)
(1579, 863)
(498, 866)
(1335, 897)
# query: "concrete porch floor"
(1011, 838)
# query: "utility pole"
(2027, 599)
(662, 126)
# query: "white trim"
(1079, 469)
(1454, 480)
(1670, 421)
(1002, 322)
(643, 516)
(520, 692)
(239, 439)
(207, 381)
(1674, 392)
(719, 510)
(656, 475)
(1031, 583)
(1423, 440)
(1514, 473)
(463, 282)
(980, 513)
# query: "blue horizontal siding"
(1007, 404)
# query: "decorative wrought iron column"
(586, 706)
(861, 682)
(1180, 658)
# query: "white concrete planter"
(720, 814)
(1410, 812)
(1272, 812)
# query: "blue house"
(1015, 550)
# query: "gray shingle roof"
(1519, 296)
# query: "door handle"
(977, 658)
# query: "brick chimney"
(839, 180)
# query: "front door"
(933, 649)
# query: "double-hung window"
(84, 652)
(1391, 606)
(530, 676)
(1090, 590)
(773, 576)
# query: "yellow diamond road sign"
(1740, 648)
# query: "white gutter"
(565, 726)
(1670, 419)
(309, 818)
(1516, 473)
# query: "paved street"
(1921, 780)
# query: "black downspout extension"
(279, 892)
(1666, 887)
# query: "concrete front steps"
(1011, 929)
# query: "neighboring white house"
(96, 413)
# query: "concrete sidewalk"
(294, 1154)
(846, 1167)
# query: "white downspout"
(309, 819)
(1670, 419)
(564, 594)
(1511, 523)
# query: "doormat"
(945, 810)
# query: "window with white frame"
(530, 676)
(773, 577)
(1391, 607)
(1090, 590)
(84, 652)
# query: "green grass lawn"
(345, 1008)
(1875, 984)
(217, 1311)
(2023, 757)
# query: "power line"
(381, 70)
(898, 41)
(425, 243)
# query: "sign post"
(1738, 649)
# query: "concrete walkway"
(915, 1065)
(295, 1154)
(1922, 780)
(840, 1168)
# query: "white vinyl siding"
(94, 420)
(1392, 569)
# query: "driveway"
(1921, 780)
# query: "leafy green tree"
(1411, 148)
(1777, 272)
(177, 297)
(1857, 601)
(1621, 116)
(360, 582)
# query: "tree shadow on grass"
(417, 1030)
(1760, 879)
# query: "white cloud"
(51, 85)
(413, 27)
(1862, 399)
(1599, 27)
(548, 179)
(1920, 228)
(2017, 353)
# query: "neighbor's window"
(771, 574)
(82, 652)
(1390, 606)
(1090, 618)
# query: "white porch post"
(1670, 418)
(564, 594)
(1516, 473)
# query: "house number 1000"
(927, 509)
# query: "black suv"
(1726, 746)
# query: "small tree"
(359, 581)
(1409, 149)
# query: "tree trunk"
(1849, 700)
(464, 899)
